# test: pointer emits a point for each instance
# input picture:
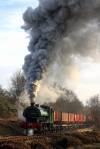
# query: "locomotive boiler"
(37, 118)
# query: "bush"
(7, 109)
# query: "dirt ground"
(11, 137)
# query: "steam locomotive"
(42, 118)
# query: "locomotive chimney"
(33, 93)
(32, 99)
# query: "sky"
(13, 48)
(13, 40)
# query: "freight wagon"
(60, 117)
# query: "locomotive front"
(37, 118)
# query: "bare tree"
(17, 84)
(68, 102)
(94, 106)
(7, 106)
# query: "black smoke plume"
(48, 25)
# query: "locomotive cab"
(47, 118)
